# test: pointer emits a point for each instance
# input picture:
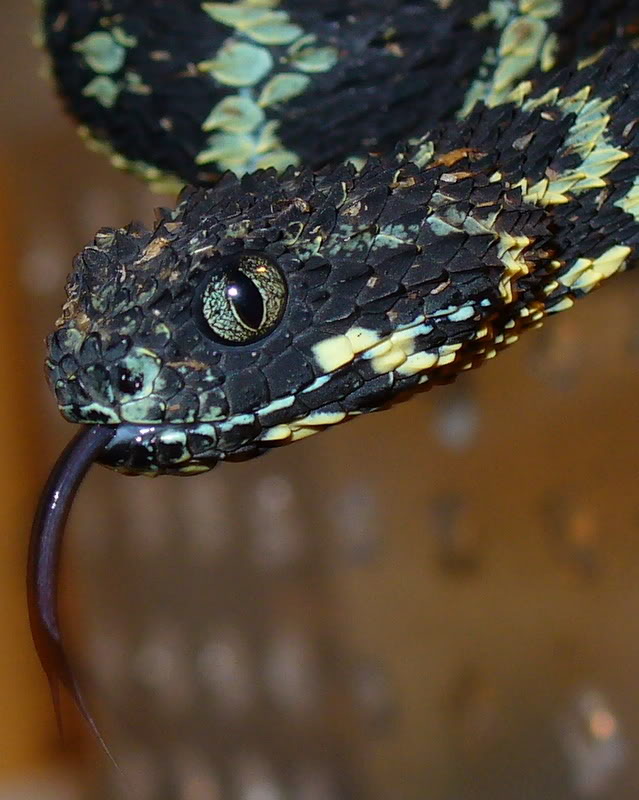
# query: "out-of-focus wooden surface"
(43, 219)
(433, 603)
(24, 718)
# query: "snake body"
(317, 269)
(271, 305)
(181, 92)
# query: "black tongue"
(45, 547)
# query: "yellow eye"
(242, 299)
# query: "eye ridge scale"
(241, 299)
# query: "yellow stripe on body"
(587, 273)
(630, 201)
(587, 138)
(444, 220)
(526, 42)
(242, 138)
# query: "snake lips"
(271, 306)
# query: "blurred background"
(434, 603)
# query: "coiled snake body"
(271, 305)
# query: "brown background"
(434, 603)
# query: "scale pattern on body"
(316, 269)
(513, 199)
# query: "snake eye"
(242, 299)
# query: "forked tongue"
(44, 560)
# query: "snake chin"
(165, 450)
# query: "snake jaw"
(161, 449)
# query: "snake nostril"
(128, 382)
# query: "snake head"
(220, 332)
(268, 307)
(181, 336)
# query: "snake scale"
(316, 269)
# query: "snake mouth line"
(180, 449)
(163, 449)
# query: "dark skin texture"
(472, 209)
(410, 45)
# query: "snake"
(379, 197)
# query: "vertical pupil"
(246, 299)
